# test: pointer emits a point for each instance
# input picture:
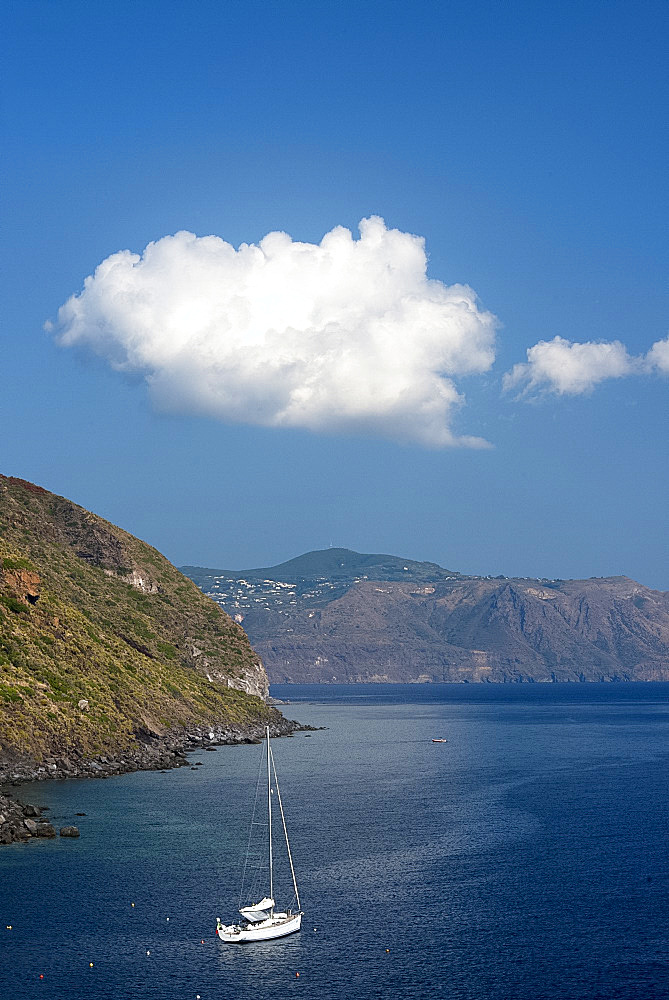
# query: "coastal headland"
(111, 661)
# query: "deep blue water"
(524, 859)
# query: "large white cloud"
(567, 368)
(348, 334)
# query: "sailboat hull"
(276, 926)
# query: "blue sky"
(526, 143)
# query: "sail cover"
(258, 911)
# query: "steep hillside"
(440, 626)
(105, 648)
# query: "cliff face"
(103, 643)
(479, 631)
(427, 626)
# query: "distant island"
(338, 616)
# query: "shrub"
(8, 563)
(13, 605)
(8, 693)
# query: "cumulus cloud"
(567, 368)
(657, 358)
(347, 334)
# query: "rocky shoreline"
(23, 821)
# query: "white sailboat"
(262, 921)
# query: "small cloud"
(567, 368)
(657, 358)
(348, 334)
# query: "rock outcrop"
(21, 822)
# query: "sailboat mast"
(285, 833)
(269, 821)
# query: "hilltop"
(335, 564)
(110, 659)
(314, 579)
(342, 616)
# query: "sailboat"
(262, 921)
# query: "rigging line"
(251, 825)
(285, 832)
(269, 824)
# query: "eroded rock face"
(252, 680)
(139, 579)
(23, 583)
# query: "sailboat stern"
(228, 932)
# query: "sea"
(525, 858)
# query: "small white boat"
(262, 921)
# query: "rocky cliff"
(380, 618)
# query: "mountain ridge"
(415, 624)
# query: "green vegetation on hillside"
(102, 640)
(332, 564)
